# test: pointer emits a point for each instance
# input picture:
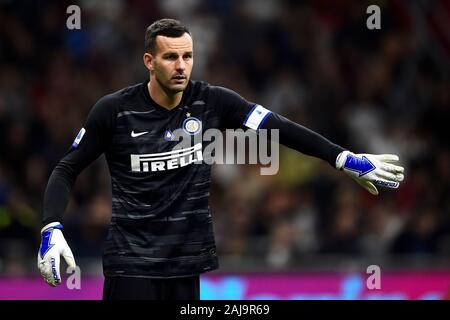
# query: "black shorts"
(130, 288)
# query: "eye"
(187, 56)
(171, 57)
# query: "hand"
(371, 169)
(52, 246)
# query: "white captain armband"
(256, 117)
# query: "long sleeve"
(237, 112)
(302, 139)
(92, 140)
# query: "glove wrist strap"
(52, 225)
(340, 159)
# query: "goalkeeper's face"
(171, 64)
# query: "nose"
(180, 64)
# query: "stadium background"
(374, 91)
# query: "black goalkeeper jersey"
(161, 225)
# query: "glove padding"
(52, 246)
(371, 169)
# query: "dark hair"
(164, 27)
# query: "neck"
(163, 98)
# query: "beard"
(169, 86)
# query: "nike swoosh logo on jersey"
(134, 135)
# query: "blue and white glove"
(371, 169)
(53, 245)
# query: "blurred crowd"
(315, 62)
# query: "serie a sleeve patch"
(78, 138)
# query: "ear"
(148, 61)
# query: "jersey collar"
(161, 109)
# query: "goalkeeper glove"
(371, 169)
(52, 246)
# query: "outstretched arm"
(366, 169)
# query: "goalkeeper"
(160, 238)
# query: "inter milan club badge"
(192, 125)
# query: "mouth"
(179, 78)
